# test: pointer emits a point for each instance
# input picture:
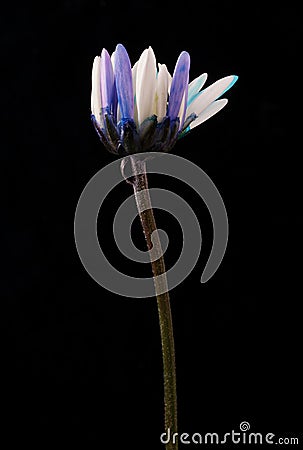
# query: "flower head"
(144, 108)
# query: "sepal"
(129, 137)
(147, 132)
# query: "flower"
(144, 108)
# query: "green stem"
(140, 185)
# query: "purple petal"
(124, 83)
(107, 80)
(182, 119)
(179, 85)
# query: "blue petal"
(223, 92)
(179, 84)
(124, 84)
(195, 88)
(230, 85)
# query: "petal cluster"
(144, 108)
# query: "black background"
(82, 365)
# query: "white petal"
(210, 111)
(146, 84)
(170, 78)
(134, 77)
(113, 59)
(208, 95)
(181, 110)
(118, 113)
(96, 89)
(195, 86)
(163, 80)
